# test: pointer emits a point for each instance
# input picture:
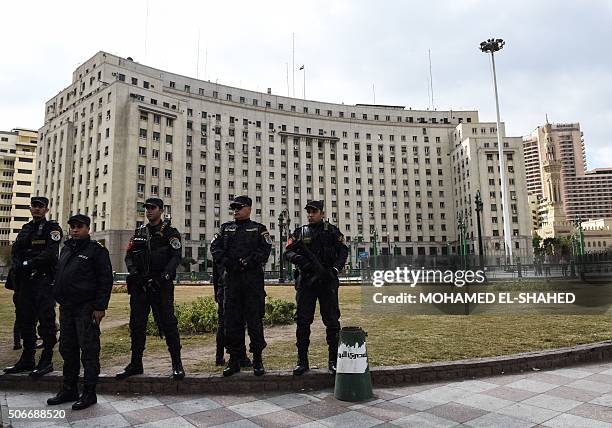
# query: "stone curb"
(245, 382)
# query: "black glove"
(231, 265)
(249, 262)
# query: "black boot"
(333, 358)
(25, 363)
(67, 393)
(16, 339)
(219, 358)
(245, 361)
(233, 366)
(178, 372)
(302, 363)
(87, 398)
(133, 368)
(45, 364)
(258, 367)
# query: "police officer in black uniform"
(220, 337)
(82, 287)
(319, 252)
(34, 257)
(153, 254)
(241, 249)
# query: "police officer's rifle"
(145, 279)
(313, 267)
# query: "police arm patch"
(175, 243)
(55, 235)
(341, 238)
(267, 237)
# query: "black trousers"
(35, 303)
(139, 314)
(221, 323)
(244, 302)
(306, 300)
(16, 329)
(79, 340)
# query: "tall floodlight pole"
(491, 46)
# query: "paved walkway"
(572, 397)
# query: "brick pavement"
(580, 396)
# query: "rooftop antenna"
(198, 57)
(373, 94)
(293, 63)
(433, 107)
(146, 34)
(205, 62)
(287, 66)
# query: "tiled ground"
(571, 397)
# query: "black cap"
(156, 202)
(39, 200)
(80, 218)
(317, 205)
(241, 201)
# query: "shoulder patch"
(56, 235)
(341, 238)
(267, 237)
(175, 243)
(214, 238)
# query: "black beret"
(156, 202)
(39, 200)
(317, 205)
(80, 218)
(241, 201)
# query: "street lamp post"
(462, 249)
(479, 204)
(283, 225)
(491, 46)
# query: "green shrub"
(200, 316)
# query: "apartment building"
(17, 163)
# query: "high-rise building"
(122, 132)
(584, 194)
(17, 162)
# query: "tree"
(186, 263)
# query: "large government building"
(392, 178)
(17, 161)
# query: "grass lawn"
(392, 338)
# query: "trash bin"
(353, 380)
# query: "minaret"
(551, 166)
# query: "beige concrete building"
(17, 163)
(122, 131)
(475, 162)
(585, 194)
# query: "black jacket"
(324, 240)
(38, 244)
(241, 239)
(84, 274)
(163, 250)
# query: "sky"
(557, 61)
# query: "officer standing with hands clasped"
(319, 252)
(82, 287)
(153, 254)
(34, 255)
(241, 249)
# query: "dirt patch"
(193, 355)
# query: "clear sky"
(557, 60)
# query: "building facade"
(585, 194)
(123, 131)
(17, 163)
